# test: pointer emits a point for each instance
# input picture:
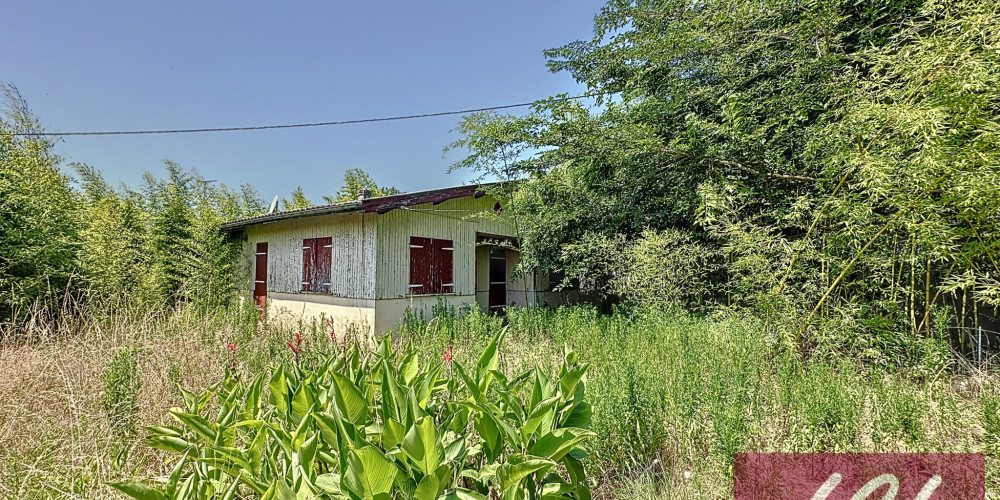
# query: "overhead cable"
(300, 125)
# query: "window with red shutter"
(431, 266)
(317, 256)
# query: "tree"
(113, 239)
(356, 180)
(298, 200)
(39, 226)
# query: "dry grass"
(56, 440)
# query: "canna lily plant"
(380, 426)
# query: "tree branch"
(740, 166)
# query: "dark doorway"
(498, 279)
(260, 277)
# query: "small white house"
(364, 262)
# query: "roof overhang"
(379, 205)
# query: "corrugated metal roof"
(380, 204)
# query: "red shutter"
(307, 263)
(420, 265)
(431, 266)
(443, 278)
(321, 262)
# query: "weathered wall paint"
(457, 220)
(388, 312)
(352, 270)
(348, 315)
(370, 268)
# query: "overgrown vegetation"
(780, 208)
(673, 395)
(380, 424)
(832, 165)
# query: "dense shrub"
(381, 425)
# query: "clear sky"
(130, 65)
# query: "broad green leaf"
(328, 428)
(489, 360)
(577, 475)
(455, 450)
(409, 368)
(422, 446)
(279, 391)
(350, 401)
(329, 483)
(302, 402)
(568, 382)
(369, 474)
(470, 384)
(579, 416)
(168, 443)
(307, 453)
(188, 487)
(536, 417)
(462, 494)
(393, 433)
(231, 492)
(511, 474)
(256, 450)
(393, 401)
(139, 491)
(555, 444)
(427, 489)
(164, 430)
(197, 423)
(175, 475)
(482, 474)
(490, 434)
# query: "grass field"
(674, 395)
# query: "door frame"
(260, 277)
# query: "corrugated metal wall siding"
(448, 220)
(352, 270)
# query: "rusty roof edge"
(337, 208)
(380, 204)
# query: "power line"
(300, 125)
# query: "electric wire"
(300, 125)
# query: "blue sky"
(159, 65)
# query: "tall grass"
(675, 396)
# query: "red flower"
(296, 346)
(232, 348)
(447, 355)
(333, 331)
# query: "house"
(365, 262)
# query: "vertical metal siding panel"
(352, 254)
(442, 221)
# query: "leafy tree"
(39, 227)
(356, 180)
(298, 200)
(171, 220)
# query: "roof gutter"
(347, 207)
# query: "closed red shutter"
(443, 270)
(420, 265)
(431, 266)
(321, 262)
(307, 264)
(317, 256)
